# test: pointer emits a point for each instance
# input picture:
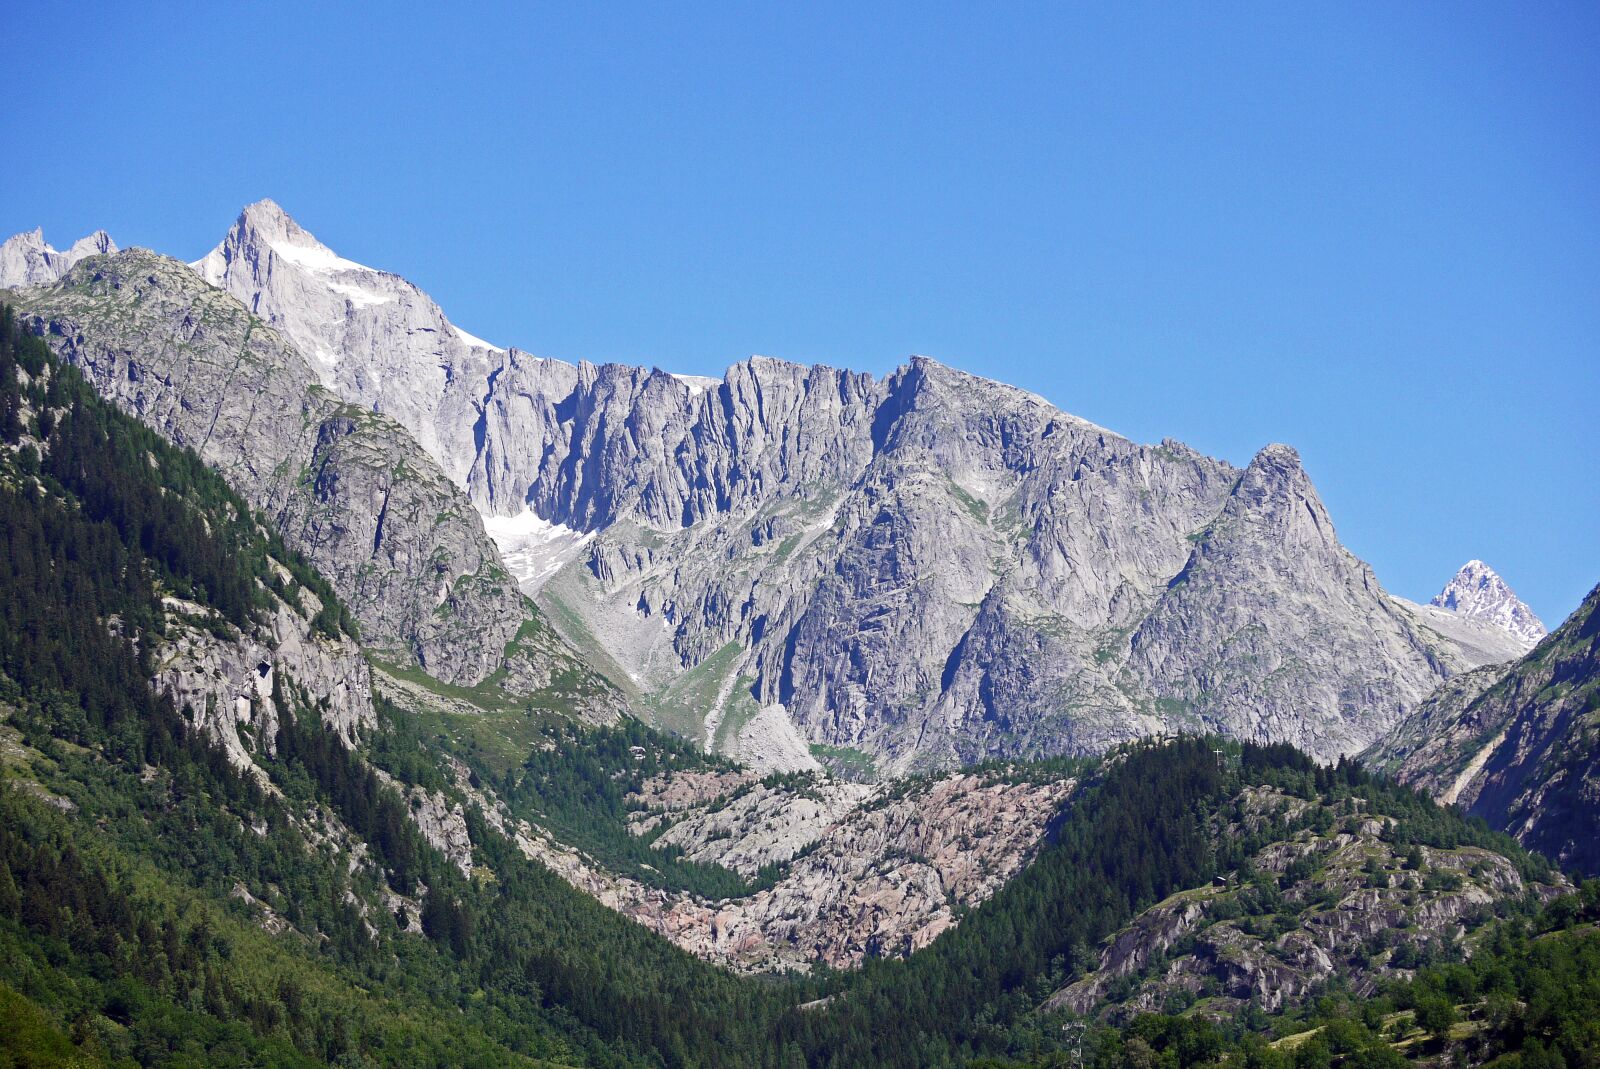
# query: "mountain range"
(798, 565)
(370, 693)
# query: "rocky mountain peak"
(28, 239)
(96, 244)
(1313, 651)
(374, 338)
(1477, 592)
(268, 214)
(264, 232)
(27, 260)
(1275, 492)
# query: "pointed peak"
(269, 220)
(263, 211)
(1274, 490)
(1275, 471)
(1478, 574)
(1477, 591)
(265, 227)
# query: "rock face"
(442, 821)
(347, 487)
(225, 687)
(1478, 593)
(801, 564)
(1518, 745)
(933, 569)
(1339, 904)
(25, 259)
(868, 872)
(372, 338)
(1274, 631)
(746, 825)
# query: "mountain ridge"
(800, 564)
(27, 260)
(345, 485)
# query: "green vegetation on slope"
(134, 925)
(196, 536)
(1529, 998)
(575, 782)
(185, 913)
(1136, 834)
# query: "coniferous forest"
(137, 861)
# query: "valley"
(593, 715)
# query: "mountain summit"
(1480, 594)
(371, 336)
(26, 259)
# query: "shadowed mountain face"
(1517, 744)
(797, 564)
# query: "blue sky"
(1372, 231)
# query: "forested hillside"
(159, 905)
(1528, 998)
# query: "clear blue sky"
(1372, 231)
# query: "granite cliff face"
(1272, 630)
(26, 260)
(226, 685)
(801, 564)
(1517, 745)
(347, 487)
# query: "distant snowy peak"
(1478, 593)
(26, 260)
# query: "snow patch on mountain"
(475, 341)
(698, 384)
(533, 548)
(314, 257)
